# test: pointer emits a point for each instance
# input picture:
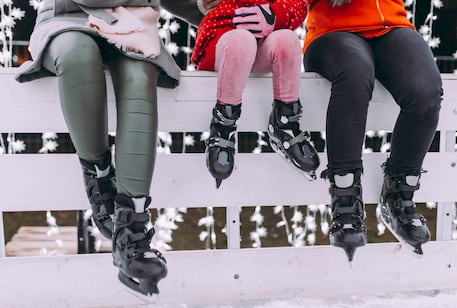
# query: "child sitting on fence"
(238, 37)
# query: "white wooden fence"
(31, 182)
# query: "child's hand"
(258, 19)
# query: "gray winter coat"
(58, 16)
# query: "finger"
(250, 27)
(246, 10)
(244, 15)
(246, 19)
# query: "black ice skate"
(220, 146)
(347, 230)
(289, 141)
(100, 182)
(140, 266)
(397, 211)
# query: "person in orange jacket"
(238, 37)
(351, 43)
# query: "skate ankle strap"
(407, 203)
(220, 143)
(355, 190)
(293, 118)
(125, 217)
(398, 186)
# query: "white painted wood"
(54, 182)
(2, 236)
(233, 227)
(445, 216)
(230, 275)
(188, 107)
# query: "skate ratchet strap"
(220, 143)
(350, 222)
(415, 219)
(128, 216)
(219, 118)
(298, 139)
(98, 198)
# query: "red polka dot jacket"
(290, 14)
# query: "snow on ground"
(423, 299)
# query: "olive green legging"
(79, 62)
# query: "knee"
(284, 43)
(422, 97)
(75, 49)
(238, 43)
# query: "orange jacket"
(369, 18)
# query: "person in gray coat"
(76, 40)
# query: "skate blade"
(136, 287)
(350, 251)
(310, 175)
(416, 250)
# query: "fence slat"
(242, 274)
(54, 182)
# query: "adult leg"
(280, 53)
(76, 60)
(235, 54)
(347, 61)
(406, 67)
(135, 86)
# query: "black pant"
(402, 61)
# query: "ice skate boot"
(100, 183)
(347, 229)
(289, 141)
(140, 266)
(220, 146)
(397, 211)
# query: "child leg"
(235, 54)
(280, 53)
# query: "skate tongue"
(412, 180)
(140, 204)
(102, 172)
(344, 181)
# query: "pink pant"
(238, 54)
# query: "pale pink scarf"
(135, 29)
